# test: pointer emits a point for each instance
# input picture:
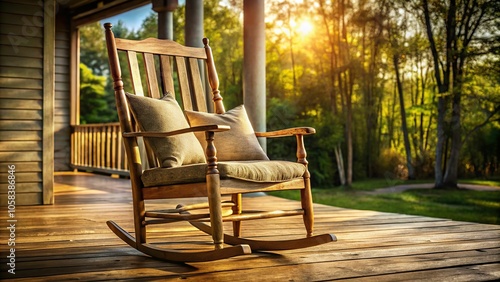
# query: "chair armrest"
(299, 133)
(212, 127)
(287, 132)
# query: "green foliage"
(97, 108)
(482, 153)
(149, 27)
(121, 31)
(309, 77)
(223, 27)
(281, 114)
(391, 164)
(320, 146)
(92, 50)
(97, 102)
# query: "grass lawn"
(462, 205)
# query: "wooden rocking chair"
(185, 165)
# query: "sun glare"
(305, 28)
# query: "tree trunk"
(411, 170)
(340, 164)
(334, 73)
(438, 170)
(292, 55)
(443, 86)
(346, 81)
(451, 175)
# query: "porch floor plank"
(70, 241)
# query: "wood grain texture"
(70, 241)
(49, 29)
(166, 74)
(152, 79)
(158, 46)
(21, 99)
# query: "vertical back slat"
(152, 80)
(153, 90)
(135, 73)
(166, 74)
(199, 93)
(184, 83)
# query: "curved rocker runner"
(178, 256)
(270, 245)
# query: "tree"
(92, 50)
(332, 28)
(397, 52)
(459, 24)
(95, 108)
(97, 103)
(342, 78)
(149, 27)
(223, 27)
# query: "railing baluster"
(119, 151)
(94, 147)
(98, 147)
(113, 148)
(108, 145)
(86, 147)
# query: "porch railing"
(98, 148)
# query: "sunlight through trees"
(396, 89)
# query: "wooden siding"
(25, 100)
(62, 127)
(21, 106)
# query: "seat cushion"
(165, 115)
(254, 171)
(237, 144)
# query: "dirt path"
(404, 187)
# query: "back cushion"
(163, 115)
(237, 144)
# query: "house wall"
(26, 106)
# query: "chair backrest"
(165, 66)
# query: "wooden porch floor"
(70, 241)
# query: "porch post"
(254, 64)
(193, 34)
(193, 29)
(165, 10)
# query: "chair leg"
(237, 209)
(140, 229)
(215, 207)
(139, 215)
(307, 206)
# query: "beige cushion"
(237, 144)
(254, 171)
(165, 115)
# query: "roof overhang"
(83, 12)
